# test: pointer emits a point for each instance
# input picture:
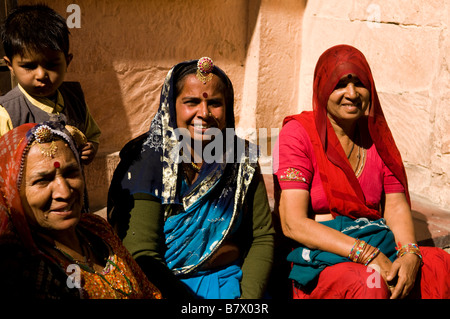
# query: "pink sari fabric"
(297, 168)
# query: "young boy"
(36, 43)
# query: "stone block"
(410, 121)
(98, 176)
(414, 69)
(402, 12)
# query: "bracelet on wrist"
(356, 250)
(411, 248)
(362, 252)
(374, 254)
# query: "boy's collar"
(44, 103)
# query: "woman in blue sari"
(188, 198)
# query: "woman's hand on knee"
(404, 271)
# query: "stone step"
(431, 223)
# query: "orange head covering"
(14, 146)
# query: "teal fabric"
(216, 284)
(308, 263)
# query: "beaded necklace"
(195, 167)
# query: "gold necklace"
(192, 165)
(86, 261)
(362, 161)
(195, 167)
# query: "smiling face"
(349, 100)
(52, 188)
(200, 107)
(39, 73)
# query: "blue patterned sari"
(193, 235)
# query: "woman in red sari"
(344, 194)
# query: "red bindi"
(57, 164)
(205, 95)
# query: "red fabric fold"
(12, 146)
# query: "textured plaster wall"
(407, 46)
(123, 50)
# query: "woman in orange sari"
(344, 194)
(49, 249)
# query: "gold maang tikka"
(44, 134)
(205, 67)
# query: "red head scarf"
(344, 193)
(12, 217)
(13, 149)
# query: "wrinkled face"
(200, 107)
(52, 188)
(349, 100)
(40, 74)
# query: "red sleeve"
(292, 162)
(391, 183)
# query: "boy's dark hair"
(34, 28)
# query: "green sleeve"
(258, 261)
(144, 235)
(144, 239)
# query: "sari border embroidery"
(292, 175)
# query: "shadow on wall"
(92, 44)
(421, 229)
(123, 50)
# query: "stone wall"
(407, 46)
(269, 48)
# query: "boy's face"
(39, 73)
